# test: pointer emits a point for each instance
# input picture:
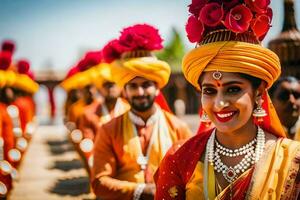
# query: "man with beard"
(285, 95)
(129, 148)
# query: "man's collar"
(137, 120)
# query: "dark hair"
(289, 79)
(255, 82)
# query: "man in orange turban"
(129, 148)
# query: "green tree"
(173, 52)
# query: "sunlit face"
(110, 91)
(286, 100)
(228, 102)
(141, 93)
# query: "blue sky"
(56, 32)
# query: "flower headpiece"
(5, 60)
(8, 45)
(23, 66)
(135, 41)
(241, 20)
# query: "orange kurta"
(76, 111)
(24, 111)
(31, 104)
(7, 130)
(116, 173)
(93, 116)
(6, 179)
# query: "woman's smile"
(225, 116)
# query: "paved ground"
(52, 169)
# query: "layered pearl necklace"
(251, 151)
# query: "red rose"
(194, 29)
(140, 37)
(261, 25)
(238, 19)
(258, 6)
(211, 14)
(196, 6)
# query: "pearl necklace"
(230, 173)
(236, 152)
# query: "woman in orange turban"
(245, 155)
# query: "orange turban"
(237, 57)
(147, 67)
(231, 56)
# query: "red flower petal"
(238, 19)
(194, 29)
(72, 71)
(227, 4)
(196, 6)
(261, 25)
(269, 12)
(211, 14)
(258, 6)
(5, 59)
(112, 51)
(8, 45)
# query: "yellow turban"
(231, 56)
(102, 73)
(147, 67)
(25, 83)
(77, 81)
(10, 77)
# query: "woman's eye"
(233, 90)
(208, 91)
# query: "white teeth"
(224, 115)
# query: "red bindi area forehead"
(226, 78)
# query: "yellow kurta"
(116, 173)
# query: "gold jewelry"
(259, 112)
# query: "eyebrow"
(224, 84)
